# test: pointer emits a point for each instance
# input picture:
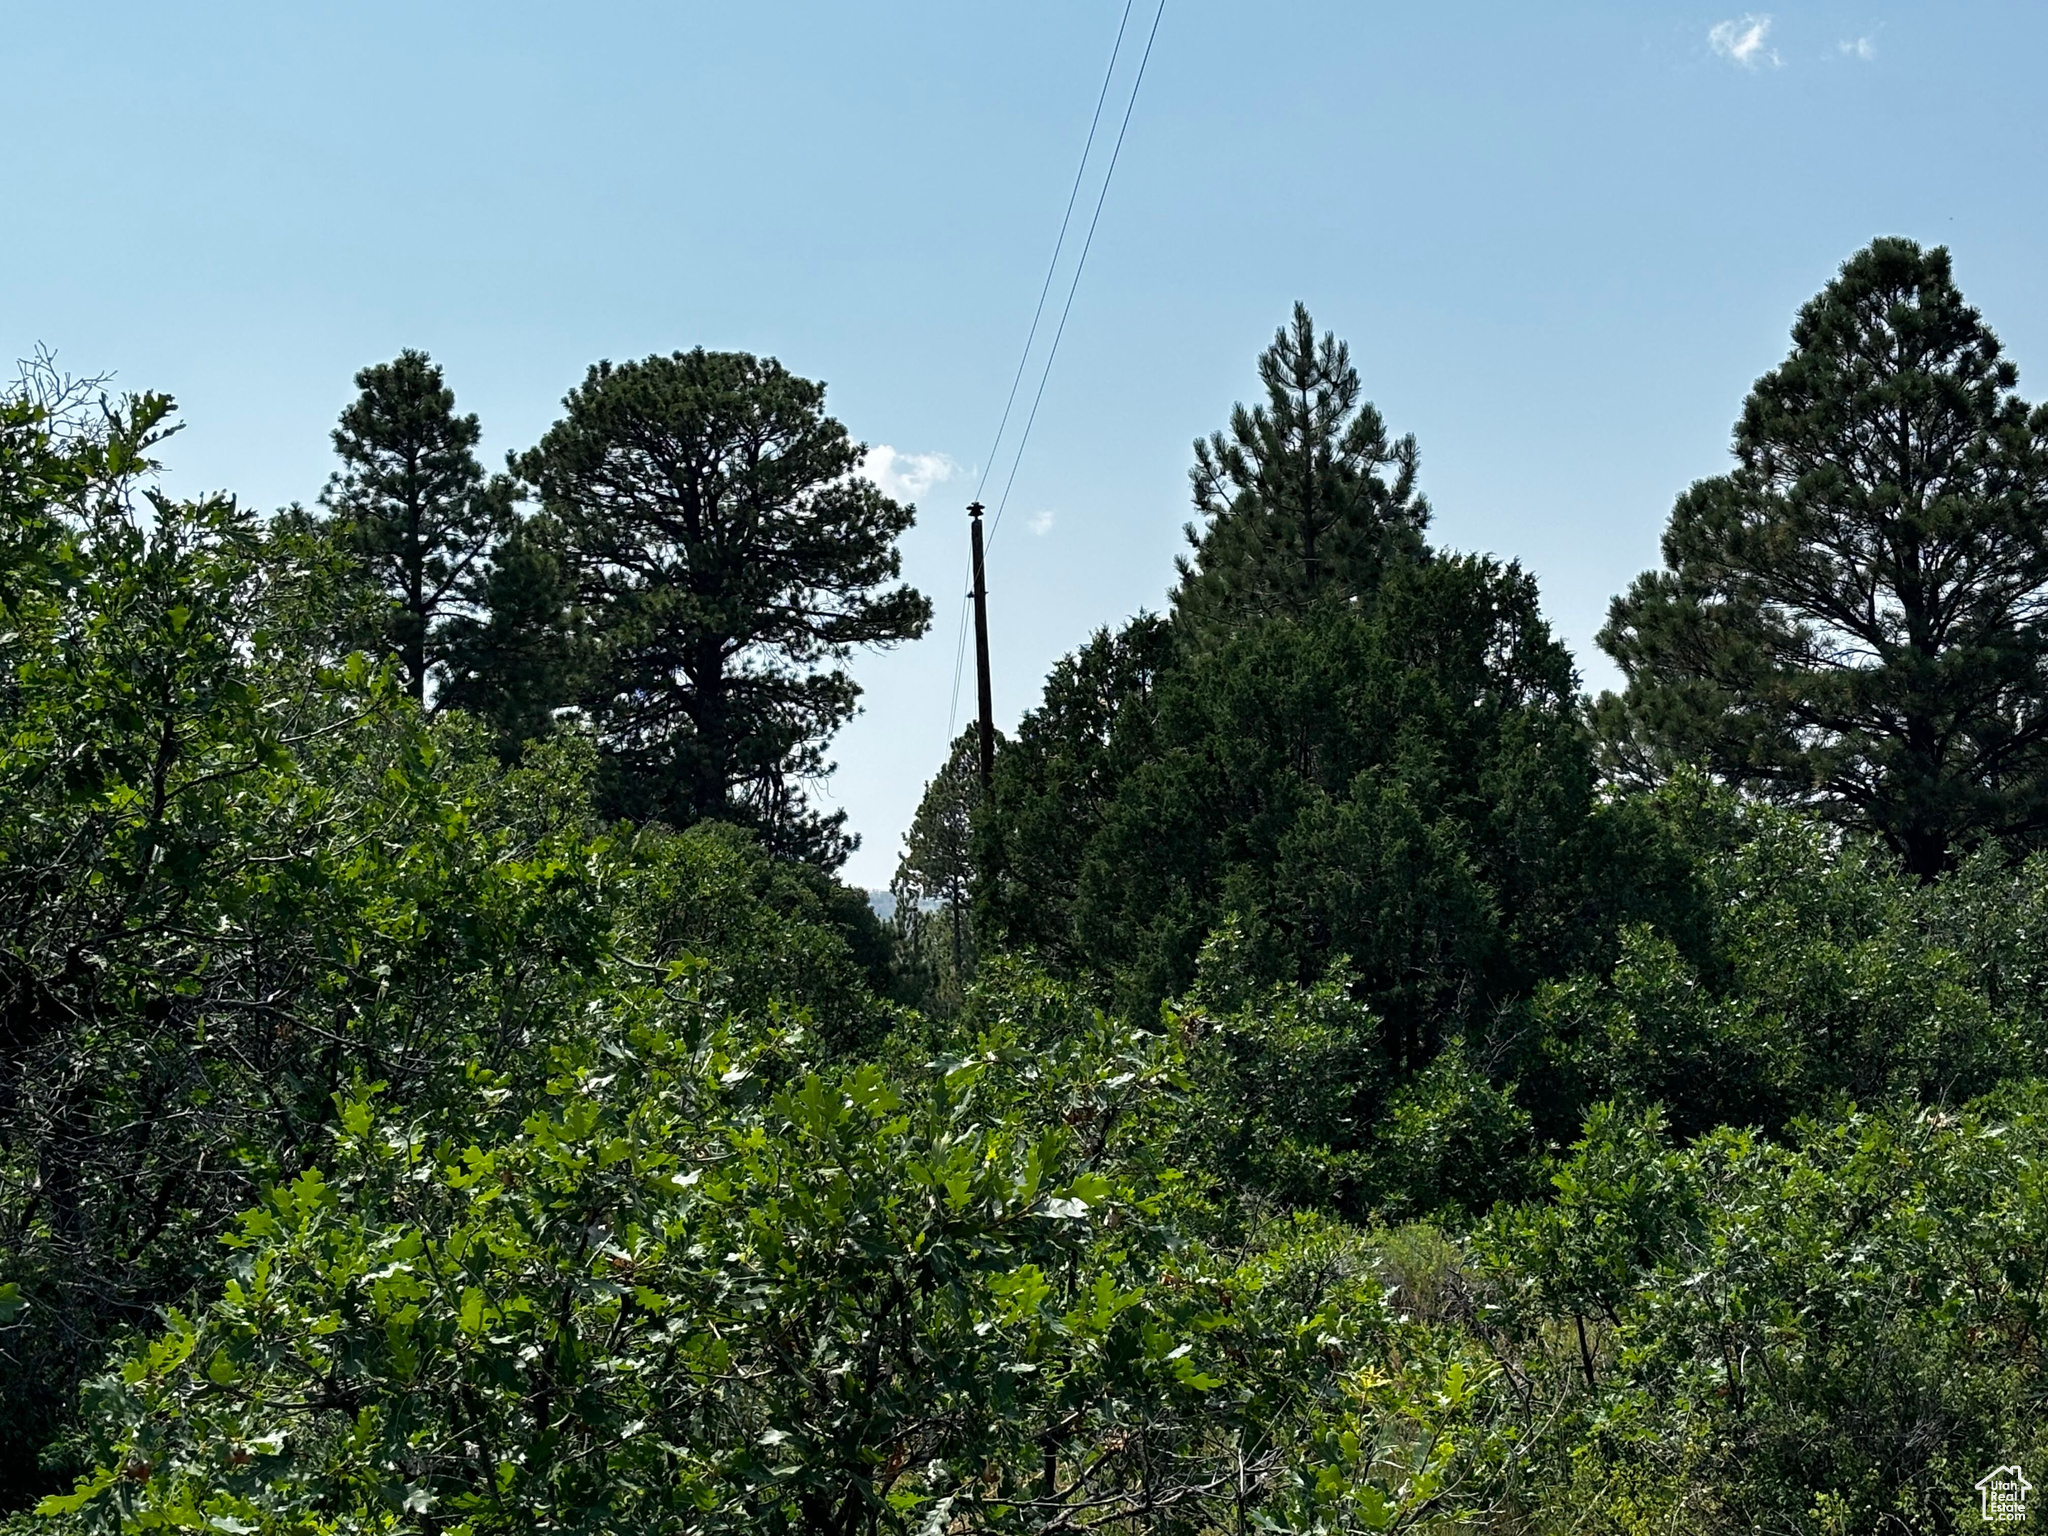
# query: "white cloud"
(1041, 522)
(1743, 41)
(906, 476)
(1858, 48)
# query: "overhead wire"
(1053, 266)
(959, 661)
(1030, 336)
(1080, 265)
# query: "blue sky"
(1561, 241)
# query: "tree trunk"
(712, 772)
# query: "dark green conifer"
(1297, 495)
(513, 664)
(412, 503)
(723, 555)
(1852, 619)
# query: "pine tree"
(934, 882)
(1296, 496)
(722, 554)
(1853, 619)
(413, 505)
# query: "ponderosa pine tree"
(1296, 495)
(414, 505)
(1856, 618)
(722, 554)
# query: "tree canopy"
(1342, 1110)
(1296, 497)
(414, 507)
(722, 555)
(933, 888)
(1853, 618)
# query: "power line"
(959, 662)
(1053, 351)
(1058, 245)
(1024, 358)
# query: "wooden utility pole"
(988, 714)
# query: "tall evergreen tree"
(414, 505)
(722, 554)
(1297, 495)
(934, 882)
(1405, 783)
(1853, 619)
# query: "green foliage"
(1054, 786)
(722, 555)
(1852, 619)
(933, 888)
(234, 880)
(413, 507)
(1450, 1141)
(640, 1307)
(1842, 1333)
(130, 727)
(1297, 503)
(1408, 787)
(704, 1282)
(1383, 822)
(1287, 1080)
(1345, 1113)
(786, 937)
(1294, 1105)
(68, 456)
(513, 664)
(1818, 977)
(1619, 1208)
